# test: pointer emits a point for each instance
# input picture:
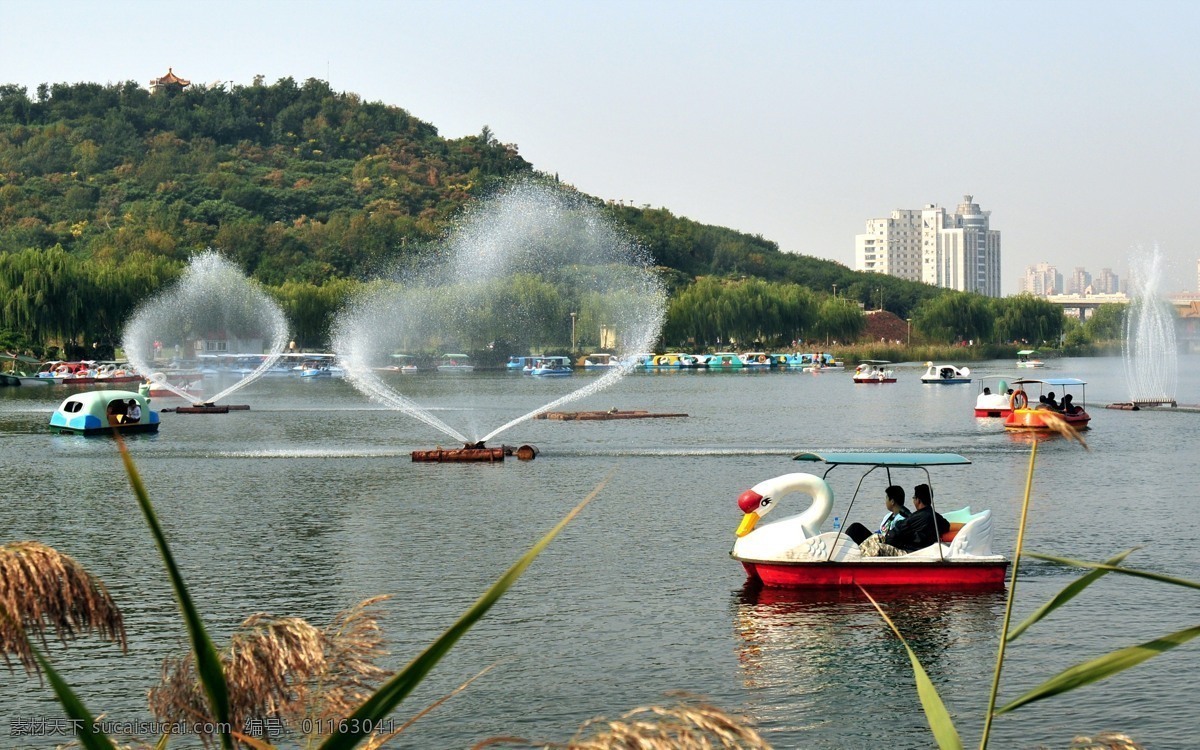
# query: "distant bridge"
(1187, 306)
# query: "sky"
(1076, 124)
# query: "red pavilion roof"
(170, 79)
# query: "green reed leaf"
(87, 737)
(208, 662)
(1103, 667)
(376, 708)
(1067, 594)
(935, 711)
(1109, 568)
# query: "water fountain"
(213, 298)
(1150, 351)
(517, 270)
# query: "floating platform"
(209, 408)
(474, 453)
(1156, 406)
(598, 415)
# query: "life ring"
(63, 369)
(1018, 396)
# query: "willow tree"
(955, 316)
(840, 320)
(40, 294)
(1027, 318)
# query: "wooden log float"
(458, 455)
(601, 415)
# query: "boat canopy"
(1049, 381)
(885, 459)
(1028, 351)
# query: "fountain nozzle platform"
(209, 407)
(474, 453)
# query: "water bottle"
(837, 523)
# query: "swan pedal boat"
(1024, 416)
(995, 403)
(796, 553)
(873, 371)
(945, 374)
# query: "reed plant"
(688, 724)
(45, 591)
(1085, 673)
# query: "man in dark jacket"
(922, 528)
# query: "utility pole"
(573, 333)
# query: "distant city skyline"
(795, 121)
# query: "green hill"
(106, 190)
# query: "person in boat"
(1052, 402)
(134, 413)
(1068, 407)
(920, 529)
(893, 500)
(116, 412)
(987, 391)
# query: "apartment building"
(951, 250)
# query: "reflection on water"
(826, 653)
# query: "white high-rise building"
(954, 251)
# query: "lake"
(309, 503)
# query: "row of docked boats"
(28, 371)
(678, 361)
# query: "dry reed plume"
(1106, 741)
(1059, 425)
(690, 724)
(43, 590)
(283, 668)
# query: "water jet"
(534, 266)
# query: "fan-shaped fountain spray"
(513, 270)
(213, 299)
(1150, 352)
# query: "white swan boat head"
(796, 552)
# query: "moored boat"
(550, 366)
(796, 553)
(1048, 409)
(945, 374)
(455, 363)
(103, 412)
(598, 361)
(671, 361)
(725, 361)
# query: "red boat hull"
(960, 574)
(875, 380)
(992, 412)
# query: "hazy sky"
(1075, 123)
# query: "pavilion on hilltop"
(169, 82)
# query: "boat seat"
(948, 537)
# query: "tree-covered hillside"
(107, 190)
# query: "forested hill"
(297, 183)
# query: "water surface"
(309, 502)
